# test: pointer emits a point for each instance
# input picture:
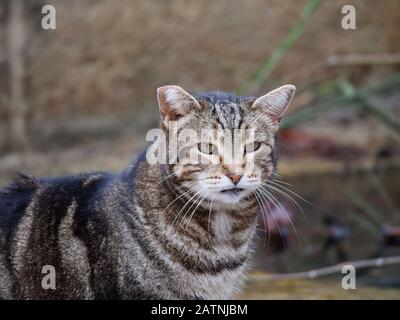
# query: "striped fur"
(117, 236)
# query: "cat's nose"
(235, 178)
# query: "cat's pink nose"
(235, 178)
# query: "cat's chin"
(230, 198)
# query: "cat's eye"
(207, 148)
(251, 147)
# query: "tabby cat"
(154, 231)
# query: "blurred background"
(82, 97)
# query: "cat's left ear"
(275, 103)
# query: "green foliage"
(266, 68)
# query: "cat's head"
(225, 143)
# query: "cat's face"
(225, 144)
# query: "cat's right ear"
(174, 102)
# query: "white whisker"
(276, 222)
(204, 195)
(263, 217)
(272, 187)
(288, 190)
(170, 175)
(209, 217)
(178, 214)
(278, 204)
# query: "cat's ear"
(174, 102)
(275, 103)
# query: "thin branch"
(383, 116)
(315, 273)
(363, 59)
(307, 114)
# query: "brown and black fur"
(109, 236)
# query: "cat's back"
(45, 222)
(49, 196)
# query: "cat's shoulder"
(53, 192)
(23, 183)
(79, 181)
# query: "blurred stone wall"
(108, 56)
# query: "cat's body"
(95, 231)
(117, 236)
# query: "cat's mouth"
(233, 191)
